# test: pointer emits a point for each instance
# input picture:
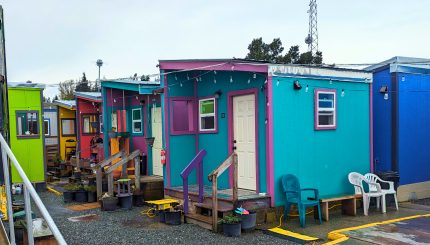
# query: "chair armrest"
(314, 190)
(391, 183)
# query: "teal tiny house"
(313, 122)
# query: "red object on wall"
(122, 121)
(163, 156)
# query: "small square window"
(207, 115)
(325, 109)
(47, 127)
(90, 125)
(27, 123)
(181, 115)
(68, 127)
(136, 120)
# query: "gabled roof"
(403, 64)
(94, 96)
(69, 104)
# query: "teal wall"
(183, 147)
(321, 159)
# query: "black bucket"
(126, 202)
(138, 199)
(109, 204)
(231, 230)
(68, 196)
(173, 217)
(248, 221)
(162, 216)
(92, 196)
(81, 196)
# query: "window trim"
(137, 120)
(34, 136)
(96, 116)
(61, 125)
(191, 115)
(215, 115)
(316, 109)
(49, 126)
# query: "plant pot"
(138, 199)
(81, 196)
(173, 217)
(248, 221)
(149, 141)
(109, 203)
(162, 216)
(126, 201)
(232, 230)
(92, 196)
(68, 196)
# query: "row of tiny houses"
(309, 121)
(401, 121)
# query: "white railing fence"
(29, 191)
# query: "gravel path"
(131, 227)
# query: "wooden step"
(200, 220)
(222, 207)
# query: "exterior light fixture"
(217, 94)
(384, 90)
(297, 85)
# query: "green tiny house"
(26, 131)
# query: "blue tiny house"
(313, 122)
(401, 123)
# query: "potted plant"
(231, 225)
(109, 203)
(69, 192)
(91, 192)
(81, 194)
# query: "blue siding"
(414, 127)
(382, 116)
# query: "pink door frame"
(231, 95)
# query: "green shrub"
(90, 188)
(230, 219)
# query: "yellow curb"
(336, 236)
(54, 191)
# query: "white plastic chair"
(373, 178)
(357, 180)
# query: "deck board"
(226, 194)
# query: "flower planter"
(92, 196)
(81, 196)
(231, 230)
(109, 203)
(173, 217)
(126, 201)
(248, 221)
(138, 199)
(68, 196)
(149, 141)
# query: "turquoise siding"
(321, 159)
(183, 147)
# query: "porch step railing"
(29, 191)
(196, 163)
(213, 177)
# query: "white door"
(157, 168)
(244, 135)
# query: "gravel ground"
(131, 227)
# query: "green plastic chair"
(293, 194)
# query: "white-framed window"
(27, 123)
(136, 120)
(325, 109)
(207, 115)
(47, 127)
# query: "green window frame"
(27, 124)
(136, 121)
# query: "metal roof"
(69, 104)
(131, 81)
(403, 64)
(90, 95)
(27, 84)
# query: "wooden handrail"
(196, 163)
(213, 177)
(102, 164)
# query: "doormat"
(88, 217)
(83, 207)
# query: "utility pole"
(99, 63)
(312, 38)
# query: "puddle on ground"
(88, 217)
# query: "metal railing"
(196, 163)
(28, 191)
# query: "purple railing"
(196, 163)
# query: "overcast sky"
(51, 41)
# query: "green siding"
(29, 152)
(321, 159)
